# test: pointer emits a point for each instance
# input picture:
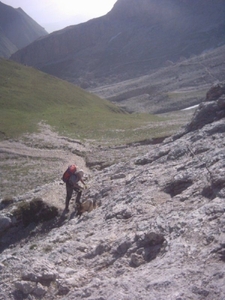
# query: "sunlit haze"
(57, 14)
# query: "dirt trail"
(38, 158)
(44, 144)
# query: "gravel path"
(38, 158)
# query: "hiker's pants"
(69, 193)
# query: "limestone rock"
(25, 287)
(158, 234)
(5, 223)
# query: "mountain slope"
(159, 232)
(17, 30)
(28, 97)
(173, 87)
(133, 39)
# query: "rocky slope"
(176, 86)
(133, 39)
(158, 233)
(17, 30)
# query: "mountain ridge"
(17, 30)
(124, 44)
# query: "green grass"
(28, 96)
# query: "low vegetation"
(28, 96)
(34, 211)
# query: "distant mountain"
(17, 30)
(133, 39)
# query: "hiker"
(72, 185)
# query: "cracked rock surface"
(158, 231)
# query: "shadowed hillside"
(17, 30)
(133, 39)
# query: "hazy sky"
(57, 14)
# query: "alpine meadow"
(29, 96)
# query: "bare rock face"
(212, 109)
(215, 92)
(159, 232)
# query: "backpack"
(73, 179)
(70, 171)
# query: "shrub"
(6, 202)
(34, 211)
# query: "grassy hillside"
(28, 96)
